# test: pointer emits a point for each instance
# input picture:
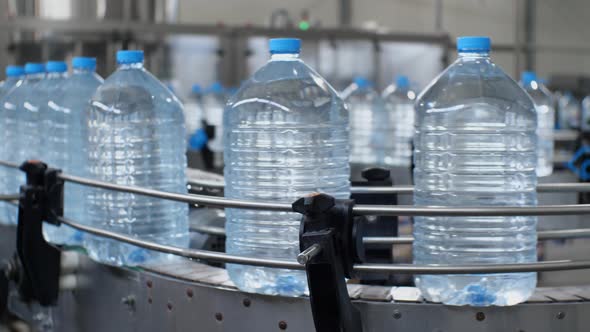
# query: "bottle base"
(63, 234)
(268, 281)
(477, 290)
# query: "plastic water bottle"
(64, 131)
(14, 76)
(585, 125)
(399, 106)
(569, 112)
(213, 104)
(20, 135)
(367, 114)
(193, 114)
(136, 137)
(475, 145)
(545, 121)
(286, 136)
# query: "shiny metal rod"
(212, 201)
(541, 188)
(9, 164)
(483, 211)
(292, 265)
(541, 236)
(12, 197)
(306, 255)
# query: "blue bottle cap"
(473, 44)
(56, 67)
(216, 87)
(126, 56)
(34, 68)
(14, 71)
(527, 77)
(196, 89)
(361, 82)
(284, 45)
(402, 82)
(81, 62)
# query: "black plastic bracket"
(41, 198)
(329, 224)
(380, 226)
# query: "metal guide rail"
(329, 237)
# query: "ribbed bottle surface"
(6, 87)
(369, 125)
(286, 136)
(399, 128)
(545, 126)
(135, 137)
(64, 131)
(475, 145)
(20, 137)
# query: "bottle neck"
(13, 79)
(134, 65)
(56, 75)
(82, 71)
(474, 55)
(35, 77)
(284, 56)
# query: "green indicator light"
(303, 25)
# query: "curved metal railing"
(222, 202)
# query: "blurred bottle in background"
(286, 136)
(568, 111)
(214, 101)
(20, 132)
(14, 77)
(545, 121)
(367, 116)
(585, 124)
(64, 130)
(136, 137)
(399, 107)
(193, 115)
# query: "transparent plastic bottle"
(43, 97)
(475, 145)
(399, 106)
(367, 114)
(286, 136)
(136, 136)
(64, 131)
(193, 114)
(14, 75)
(585, 125)
(569, 111)
(20, 121)
(213, 103)
(545, 121)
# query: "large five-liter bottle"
(14, 75)
(367, 116)
(399, 109)
(64, 131)
(286, 136)
(545, 121)
(475, 145)
(20, 137)
(136, 137)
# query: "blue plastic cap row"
(402, 81)
(196, 89)
(527, 77)
(14, 71)
(126, 56)
(81, 62)
(284, 45)
(474, 44)
(34, 68)
(361, 82)
(56, 67)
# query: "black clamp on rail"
(379, 226)
(41, 199)
(330, 246)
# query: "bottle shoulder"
(474, 82)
